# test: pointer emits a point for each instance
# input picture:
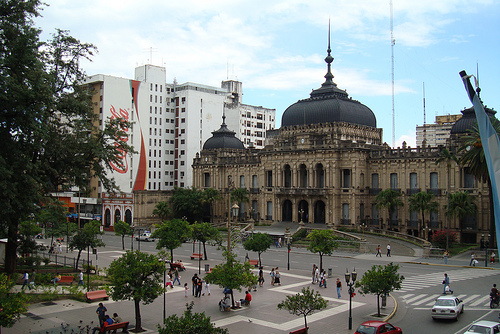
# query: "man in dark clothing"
(194, 280)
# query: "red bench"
(300, 331)
(65, 279)
(114, 327)
(254, 262)
(196, 256)
(179, 266)
(94, 295)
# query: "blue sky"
(277, 49)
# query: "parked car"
(376, 327)
(484, 327)
(146, 236)
(447, 307)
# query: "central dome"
(328, 104)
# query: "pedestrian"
(33, 273)
(279, 242)
(199, 286)
(472, 260)
(101, 313)
(446, 283)
(176, 276)
(277, 276)
(261, 276)
(445, 256)
(80, 278)
(59, 248)
(272, 276)
(379, 251)
(194, 280)
(314, 274)
(207, 288)
(116, 318)
(169, 281)
(26, 281)
(102, 328)
(186, 288)
(339, 287)
(388, 250)
(322, 279)
(492, 258)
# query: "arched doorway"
(286, 214)
(128, 217)
(303, 211)
(319, 212)
(107, 218)
(117, 216)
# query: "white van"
(146, 236)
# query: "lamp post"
(363, 226)
(486, 244)
(350, 284)
(301, 213)
(164, 261)
(426, 230)
(288, 241)
(234, 210)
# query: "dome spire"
(329, 60)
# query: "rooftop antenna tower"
(423, 86)
(393, 41)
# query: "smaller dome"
(223, 138)
(468, 120)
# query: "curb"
(449, 265)
(393, 311)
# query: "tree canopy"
(171, 234)
(303, 303)
(135, 276)
(258, 242)
(205, 232)
(190, 323)
(322, 242)
(187, 203)
(122, 229)
(86, 238)
(50, 137)
(12, 304)
(389, 199)
(423, 202)
(380, 279)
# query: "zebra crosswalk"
(425, 281)
(427, 300)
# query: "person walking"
(101, 313)
(446, 283)
(80, 278)
(207, 288)
(26, 281)
(379, 251)
(314, 274)
(199, 286)
(261, 276)
(186, 288)
(194, 280)
(445, 256)
(472, 260)
(322, 279)
(33, 274)
(388, 250)
(272, 276)
(492, 257)
(277, 276)
(339, 287)
(176, 277)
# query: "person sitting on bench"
(247, 300)
(56, 279)
(225, 303)
(108, 321)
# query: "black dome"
(468, 120)
(223, 138)
(328, 104)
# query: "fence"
(67, 261)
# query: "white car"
(145, 237)
(484, 327)
(447, 307)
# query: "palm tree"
(209, 196)
(448, 157)
(423, 202)
(389, 199)
(461, 204)
(239, 195)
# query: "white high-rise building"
(170, 124)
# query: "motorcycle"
(494, 301)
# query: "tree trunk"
(204, 250)
(11, 249)
(171, 255)
(78, 260)
(138, 321)
(123, 241)
(260, 262)
(378, 305)
(320, 261)
(305, 322)
(232, 298)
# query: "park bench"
(179, 266)
(196, 256)
(114, 327)
(254, 262)
(300, 331)
(66, 279)
(94, 295)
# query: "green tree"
(380, 280)
(27, 232)
(163, 210)
(53, 217)
(423, 202)
(460, 205)
(446, 156)
(171, 234)
(122, 229)
(190, 323)
(12, 305)
(322, 242)
(86, 238)
(210, 196)
(389, 199)
(232, 274)
(258, 242)
(135, 276)
(50, 137)
(204, 232)
(187, 203)
(239, 195)
(303, 303)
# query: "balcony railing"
(254, 190)
(375, 191)
(345, 222)
(374, 221)
(412, 223)
(435, 192)
(412, 191)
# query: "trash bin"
(384, 300)
(330, 271)
(207, 267)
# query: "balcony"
(345, 222)
(412, 223)
(394, 223)
(412, 191)
(435, 192)
(374, 222)
(254, 190)
(301, 191)
(375, 191)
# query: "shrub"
(439, 238)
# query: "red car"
(376, 327)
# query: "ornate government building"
(326, 164)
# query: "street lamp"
(288, 241)
(301, 212)
(486, 244)
(350, 284)
(164, 261)
(426, 230)
(234, 210)
(363, 226)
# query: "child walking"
(186, 288)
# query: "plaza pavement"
(262, 316)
